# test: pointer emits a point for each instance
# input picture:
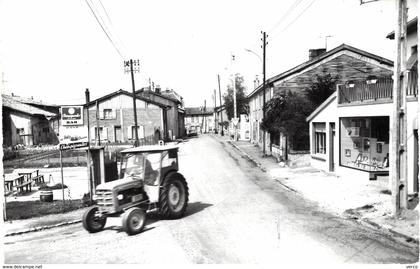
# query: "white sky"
(54, 50)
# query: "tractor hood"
(119, 183)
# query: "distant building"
(27, 122)
(174, 113)
(199, 119)
(116, 118)
(221, 116)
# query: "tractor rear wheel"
(91, 222)
(133, 220)
(173, 198)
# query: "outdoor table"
(28, 175)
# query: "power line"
(294, 20)
(114, 33)
(291, 8)
(103, 29)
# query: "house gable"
(346, 65)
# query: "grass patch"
(31, 209)
(45, 187)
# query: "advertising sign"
(72, 133)
(71, 115)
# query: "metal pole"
(136, 142)
(214, 112)
(87, 95)
(97, 133)
(263, 108)
(62, 175)
(234, 98)
(398, 154)
(220, 99)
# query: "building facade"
(350, 131)
(343, 63)
(199, 119)
(25, 123)
(174, 113)
(116, 118)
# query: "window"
(320, 142)
(20, 131)
(109, 114)
(140, 130)
(364, 143)
(320, 138)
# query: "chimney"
(157, 89)
(313, 53)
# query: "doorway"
(117, 134)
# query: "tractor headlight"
(120, 196)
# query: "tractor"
(148, 181)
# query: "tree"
(242, 105)
(321, 89)
(287, 115)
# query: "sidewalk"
(367, 202)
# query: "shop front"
(364, 144)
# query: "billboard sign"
(71, 115)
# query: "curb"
(408, 238)
(260, 166)
(368, 222)
(36, 229)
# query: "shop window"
(320, 138)
(364, 143)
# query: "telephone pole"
(131, 67)
(398, 154)
(264, 85)
(214, 112)
(220, 99)
(235, 118)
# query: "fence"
(380, 90)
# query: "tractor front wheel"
(91, 222)
(173, 197)
(133, 220)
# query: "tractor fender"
(169, 174)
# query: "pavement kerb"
(46, 227)
(364, 222)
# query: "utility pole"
(214, 112)
(87, 95)
(235, 116)
(264, 85)
(205, 118)
(220, 99)
(97, 133)
(133, 66)
(398, 154)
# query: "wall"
(149, 116)
(172, 114)
(332, 113)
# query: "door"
(117, 134)
(331, 147)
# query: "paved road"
(236, 215)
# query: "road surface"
(236, 215)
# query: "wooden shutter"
(101, 114)
(104, 133)
(129, 132)
(114, 113)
